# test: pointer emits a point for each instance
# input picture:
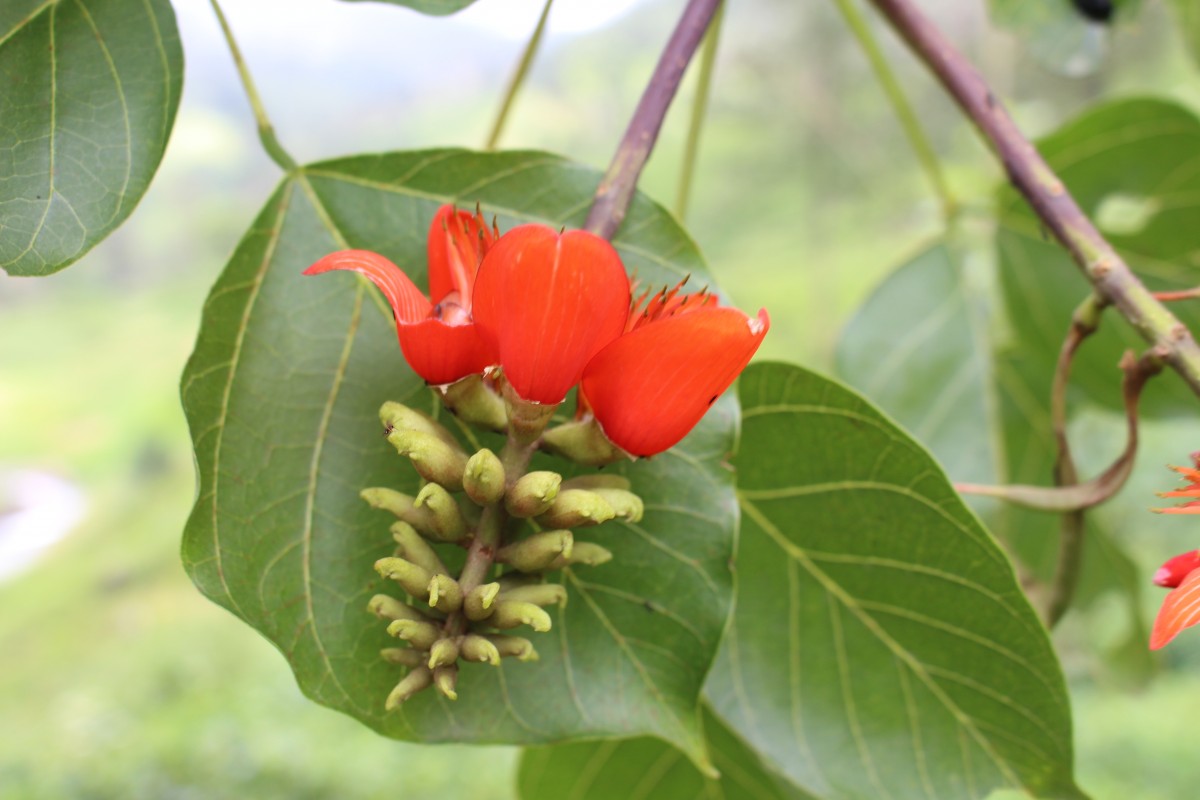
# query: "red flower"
(1192, 490)
(651, 386)
(1181, 608)
(436, 333)
(546, 303)
(1172, 573)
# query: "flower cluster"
(552, 310)
(1181, 574)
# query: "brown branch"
(1100, 263)
(615, 192)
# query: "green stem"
(691, 149)
(266, 132)
(518, 78)
(904, 110)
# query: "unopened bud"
(597, 480)
(446, 680)
(476, 648)
(583, 442)
(540, 594)
(537, 552)
(483, 478)
(434, 459)
(575, 508)
(413, 578)
(402, 505)
(627, 505)
(532, 494)
(385, 607)
(420, 635)
(403, 656)
(448, 522)
(395, 416)
(477, 605)
(511, 613)
(516, 647)
(415, 549)
(585, 553)
(472, 401)
(420, 678)
(445, 594)
(443, 652)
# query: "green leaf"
(881, 646)
(282, 395)
(437, 8)
(649, 769)
(1187, 20)
(90, 93)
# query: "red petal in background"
(1180, 609)
(457, 243)
(547, 303)
(649, 388)
(1172, 573)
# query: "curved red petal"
(649, 388)
(442, 353)
(457, 243)
(1175, 569)
(1180, 609)
(548, 303)
(407, 302)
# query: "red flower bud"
(650, 387)
(437, 338)
(546, 303)
(1180, 609)
(1172, 573)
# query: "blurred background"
(119, 680)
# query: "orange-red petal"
(1172, 573)
(408, 303)
(442, 353)
(547, 302)
(457, 243)
(649, 388)
(1180, 609)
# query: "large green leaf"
(282, 394)
(881, 647)
(649, 769)
(439, 8)
(90, 93)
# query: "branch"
(691, 149)
(518, 77)
(1104, 268)
(615, 192)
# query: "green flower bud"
(537, 552)
(478, 648)
(415, 549)
(448, 522)
(484, 478)
(421, 635)
(511, 613)
(598, 480)
(446, 680)
(627, 505)
(472, 401)
(540, 594)
(397, 417)
(532, 494)
(403, 656)
(414, 579)
(575, 508)
(445, 594)
(583, 442)
(402, 505)
(585, 553)
(385, 607)
(435, 460)
(443, 652)
(477, 605)
(513, 646)
(420, 678)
